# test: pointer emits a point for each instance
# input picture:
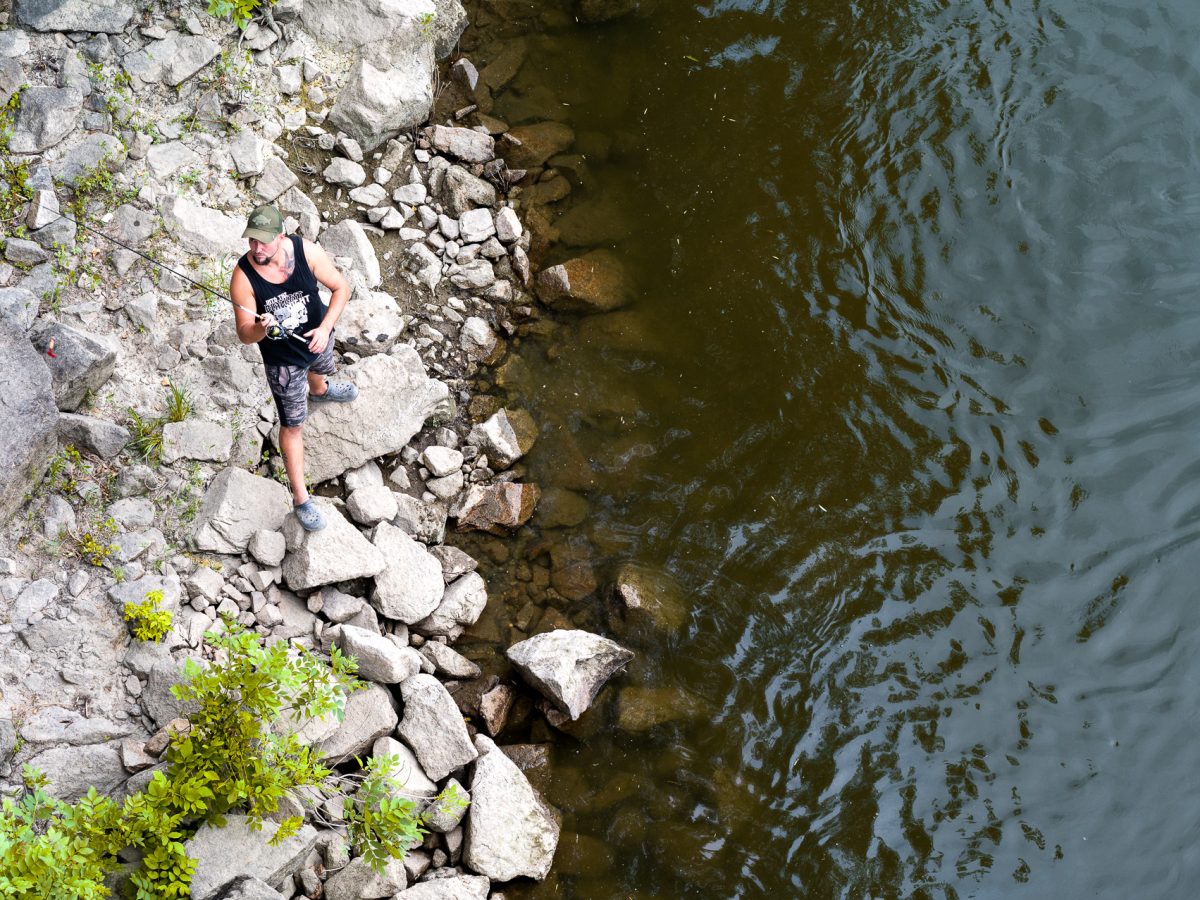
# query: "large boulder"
(462, 604)
(511, 831)
(80, 361)
(410, 587)
(433, 727)
(246, 887)
(390, 88)
(236, 505)
(394, 400)
(455, 887)
(465, 143)
(347, 238)
(46, 116)
(379, 659)
(236, 848)
(448, 26)
(568, 666)
(505, 437)
(371, 323)
(30, 417)
(92, 435)
(594, 282)
(20, 306)
(338, 552)
(94, 16)
(203, 231)
(351, 24)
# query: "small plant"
(425, 22)
(179, 403)
(145, 436)
(150, 622)
(64, 467)
(14, 170)
(95, 543)
(240, 11)
(190, 178)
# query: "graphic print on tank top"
(290, 310)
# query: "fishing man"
(280, 275)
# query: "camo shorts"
(289, 387)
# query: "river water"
(907, 403)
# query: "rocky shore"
(139, 443)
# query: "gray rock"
(371, 505)
(445, 815)
(94, 436)
(412, 194)
(34, 598)
(385, 94)
(19, 306)
(569, 667)
(476, 225)
(349, 24)
(158, 701)
(82, 361)
(237, 849)
(166, 159)
(70, 771)
(462, 604)
(202, 230)
(246, 887)
(204, 582)
(408, 779)
(371, 195)
(196, 439)
(424, 265)
(433, 727)
(132, 512)
(478, 339)
(449, 661)
(454, 887)
(424, 521)
(106, 16)
(450, 21)
(46, 116)
(498, 509)
(371, 323)
(236, 505)
(473, 275)
(454, 562)
(395, 399)
(299, 204)
(43, 209)
(508, 225)
(54, 724)
(347, 238)
(461, 191)
(143, 311)
(465, 143)
(23, 252)
(358, 881)
(442, 460)
(379, 660)
(247, 151)
(410, 587)
(511, 831)
(88, 155)
(276, 178)
(447, 487)
(364, 476)
(58, 519)
(268, 547)
(504, 437)
(338, 552)
(344, 172)
(338, 607)
(369, 715)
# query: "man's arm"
(327, 274)
(250, 330)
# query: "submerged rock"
(649, 599)
(594, 282)
(569, 667)
(505, 437)
(643, 708)
(498, 509)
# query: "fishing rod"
(274, 332)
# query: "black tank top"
(295, 304)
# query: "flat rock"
(93, 16)
(449, 661)
(569, 667)
(594, 282)
(456, 887)
(45, 117)
(370, 714)
(276, 179)
(166, 159)
(70, 771)
(236, 505)
(511, 832)
(465, 143)
(196, 439)
(411, 586)
(395, 399)
(344, 172)
(539, 142)
(237, 849)
(379, 660)
(338, 552)
(433, 727)
(203, 231)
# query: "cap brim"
(260, 235)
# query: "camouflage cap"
(265, 224)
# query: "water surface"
(906, 402)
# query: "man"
(279, 276)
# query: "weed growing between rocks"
(228, 759)
(146, 433)
(14, 172)
(149, 620)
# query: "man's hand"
(318, 339)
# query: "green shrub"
(150, 621)
(240, 11)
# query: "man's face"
(263, 253)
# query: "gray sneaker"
(335, 392)
(309, 515)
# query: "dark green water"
(908, 402)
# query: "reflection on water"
(904, 403)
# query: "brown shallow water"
(906, 403)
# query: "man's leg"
(291, 442)
(317, 384)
